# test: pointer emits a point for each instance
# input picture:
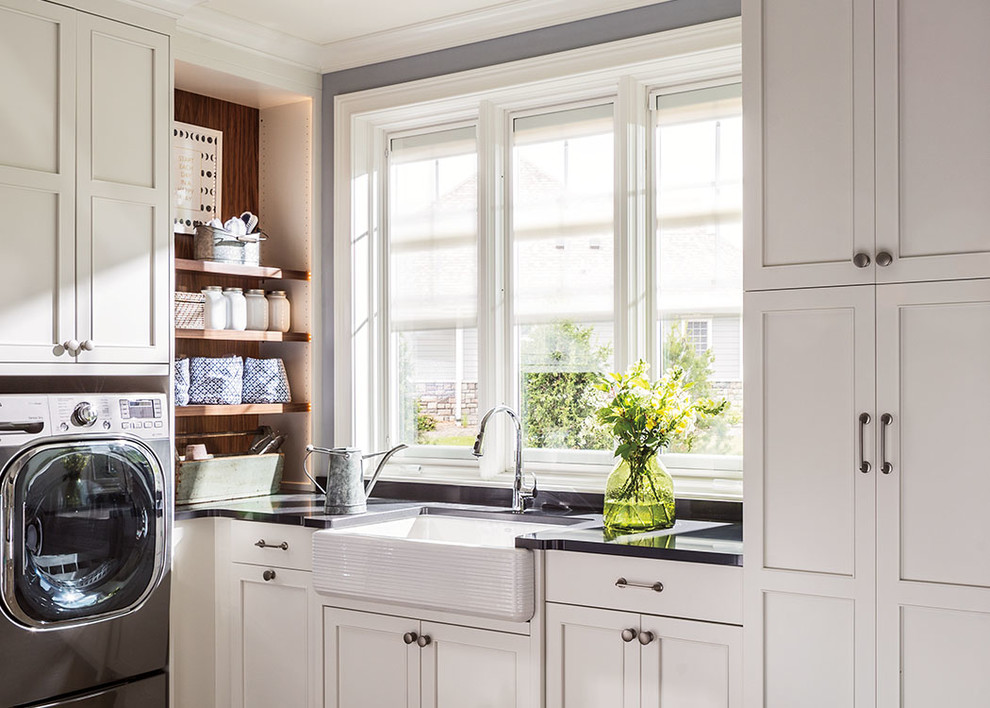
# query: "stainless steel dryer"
(85, 512)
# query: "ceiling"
(328, 35)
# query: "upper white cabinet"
(807, 102)
(864, 161)
(83, 188)
(933, 160)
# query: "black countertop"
(689, 540)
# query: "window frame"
(629, 74)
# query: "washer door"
(84, 524)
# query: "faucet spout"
(519, 497)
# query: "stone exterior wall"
(732, 390)
(438, 400)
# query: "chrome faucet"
(519, 497)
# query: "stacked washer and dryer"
(85, 513)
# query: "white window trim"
(627, 72)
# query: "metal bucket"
(221, 246)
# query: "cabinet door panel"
(934, 657)
(933, 340)
(588, 663)
(808, 73)
(37, 180)
(691, 664)
(122, 217)
(810, 652)
(933, 174)
(474, 668)
(811, 364)
(270, 638)
(366, 663)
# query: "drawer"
(690, 590)
(284, 546)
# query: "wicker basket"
(189, 310)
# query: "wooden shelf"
(233, 335)
(188, 265)
(243, 409)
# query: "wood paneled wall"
(240, 127)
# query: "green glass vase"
(639, 498)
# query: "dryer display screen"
(142, 408)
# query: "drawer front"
(656, 587)
(276, 545)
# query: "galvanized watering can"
(346, 492)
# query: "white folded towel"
(235, 226)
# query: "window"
(510, 233)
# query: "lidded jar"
(236, 308)
(215, 308)
(257, 310)
(278, 311)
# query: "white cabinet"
(868, 571)
(83, 188)
(373, 660)
(270, 642)
(602, 649)
(599, 657)
(863, 157)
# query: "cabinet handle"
(424, 640)
(284, 546)
(71, 346)
(861, 260)
(646, 638)
(622, 583)
(885, 420)
(410, 637)
(884, 259)
(864, 420)
(88, 344)
(628, 635)
(268, 575)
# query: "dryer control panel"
(144, 415)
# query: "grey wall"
(548, 40)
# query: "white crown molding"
(249, 36)
(172, 8)
(465, 28)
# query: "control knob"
(84, 415)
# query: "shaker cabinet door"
(589, 664)
(122, 221)
(37, 181)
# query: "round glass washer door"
(84, 530)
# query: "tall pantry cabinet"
(83, 191)
(867, 332)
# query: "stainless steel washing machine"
(85, 512)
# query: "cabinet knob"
(71, 346)
(410, 637)
(424, 640)
(884, 259)
(268, 575)
(88, 344)
(646, 638)
(628, 635)
(861, 260)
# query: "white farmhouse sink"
(448, 563)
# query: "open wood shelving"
(233, 335)
(188, 265)
(242, 409)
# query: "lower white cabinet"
(598, 657)
(373, 660)
(270, 625)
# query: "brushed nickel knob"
(424, 640)
(884, 259)
(268, 575)
(410, 637)
(88, 344)
(628, 635)
(861, 260)
(646, 637)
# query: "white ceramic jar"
(215, 308)
(257, 309)
(278, 311)
(236, 308)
